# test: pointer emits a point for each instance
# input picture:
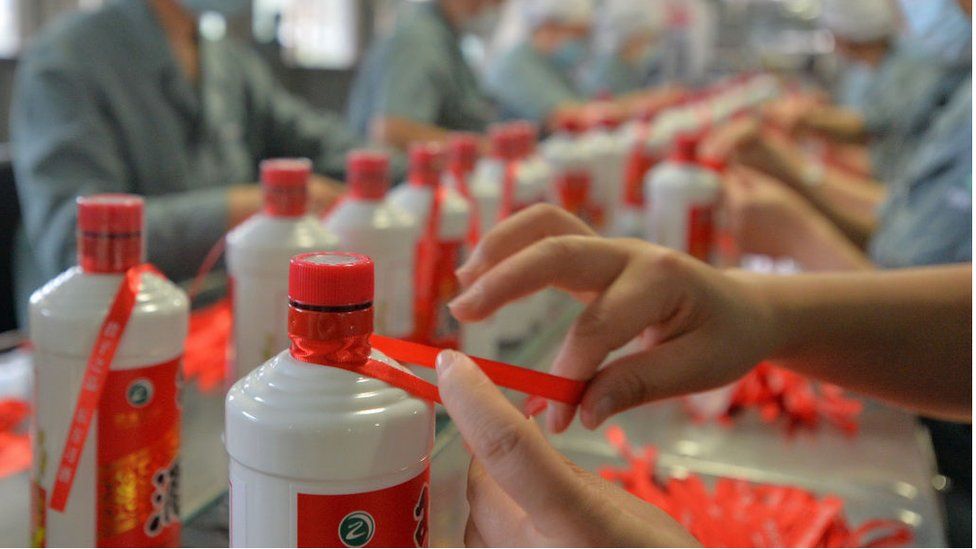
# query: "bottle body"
(682, 201)
(258, 252)
(369, 479)
(389, 235)
(436, 261)
(514, 321)
(126, 488)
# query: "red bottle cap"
(526, 136)
(330, 279)
(503, 142)
(685, 150)
(426, 163)
(109, 232)
(285, 184)
(462, 152)
(570, 124)
(368, 174)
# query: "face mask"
(569, 55)
(227, 8)
(940, 28)
(484, 24)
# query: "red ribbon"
(99, 361)
(507, 206)
(524, 380)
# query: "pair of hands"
(700, 329)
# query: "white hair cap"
(619, 20)
(538, 12)
(861, 20)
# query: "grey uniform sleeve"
(284, 125)
(527, 89)
(409, 85)
(65, 146)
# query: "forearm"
(399, 132)
(834, 123)
(904, 337)
(820, 246)
(849, 203)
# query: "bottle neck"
(109, 253)
(285, 201)
(330, 335)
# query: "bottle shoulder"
(287, 234)
(74, 294)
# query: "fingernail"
(445, 360)
(469, 299)
(602, 410)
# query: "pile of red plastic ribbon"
(779, 394)
(736, 513)
(205, 358)
(15, 448)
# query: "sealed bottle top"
(462, 152)
(330, 280)
(426, 163)
(685, 150)
(368, 174)
(109, 232)
(285, 185)
(503, 142)
(570, 125)
(526, 136)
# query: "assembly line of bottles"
(307, 293)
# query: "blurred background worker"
(895, 103)
(132, 98)
(535, 77)
(628, 48)
(415, 84)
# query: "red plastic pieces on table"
(779, 394)
(736, 513)
(205, 358)
(15, 448)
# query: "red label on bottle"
(436, 286)
(701, 231)
(392, 517)
(138, 457)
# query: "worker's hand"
(790, 112)
(701, 328)
(323, 193)
(243, 201)
(765, 217)
(744, 141)
(522, 493)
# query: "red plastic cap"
(285, 184)
(685, 150)
(503, 141)
(368, 174)
(109, 232)
(570, 124)
(330, 279)
(526, 137)
(462, 152)
(426, 163)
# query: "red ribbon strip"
(99, 361)
(541, 384)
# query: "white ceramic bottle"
(125, 492)
(441, 247)
(477, 338)
(682, 201)
(650, 146)
(366, 223)
(321, 456)
(501, 189)
(258, 252)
